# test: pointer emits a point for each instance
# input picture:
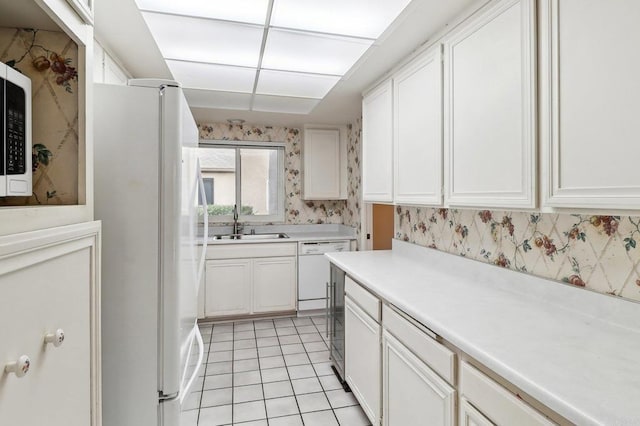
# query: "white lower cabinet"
(412, 392)
(362, 359)
(49, 311)
(274, 284)
(247, 279)
(228, 287)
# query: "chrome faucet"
(236, 228)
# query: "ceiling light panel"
(205, 40)
(295, 84)
(213, 99)
(283, 104)
(213, 77)
(361, 18)
(251, 11)
(313, 53)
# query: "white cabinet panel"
(324, 168)
(362, 359)
(228, 287)
(496, 402)
(274, 284)
(417, 124)
(413, 393)
(377, 144)
(469, 416)
(49, 281)
(590, 64)
(490, 108)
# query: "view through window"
(250, 177)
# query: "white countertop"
(575, 351)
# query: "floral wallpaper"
(49, 59)
(600, 253)
(354, 195)
(297, 210)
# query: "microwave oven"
(15, 127)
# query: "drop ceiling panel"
(284, 104)
(205, 40)
(361, 18)
(251, 11)
(214, 99)
(313, 53)
(295, 84)
(213, 77)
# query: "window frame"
(278, 217)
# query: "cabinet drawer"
(496, 402)
(425, 347)
(243, 251)
(367, 301)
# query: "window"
(208, 191)
(250, 176)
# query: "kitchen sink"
(269, 236)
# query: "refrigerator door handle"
(194, 376)
(205, 235)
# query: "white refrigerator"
(147, 193)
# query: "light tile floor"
(269, 372)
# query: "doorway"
(382, 226)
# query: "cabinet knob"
(56, 338)
(19, 367)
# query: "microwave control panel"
(15, 149)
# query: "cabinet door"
(37, 300)
(417, 124)
(469, 416)
(377, 144)
(490, 108)
(228, 287)
(322, 165)
(362, 359)
(274, 284)
(589, 103)
(412, 392)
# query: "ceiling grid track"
(267, 25)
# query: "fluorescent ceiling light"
(213, 99)
(314, 53)
(362, 18)
(251, 11)
(214, 77)
(205, 40)
(302, 85)
(284, 104)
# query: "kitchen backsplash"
(354, 200)
(297, 210)
(596, 252)
(49, 59)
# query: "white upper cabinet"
(377, 144)
(490, 108)
(417, 127)
(324, 164)
(590, 63)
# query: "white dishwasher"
(313, 272)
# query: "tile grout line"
(264, 399)
(316, 373)
(286, 368)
